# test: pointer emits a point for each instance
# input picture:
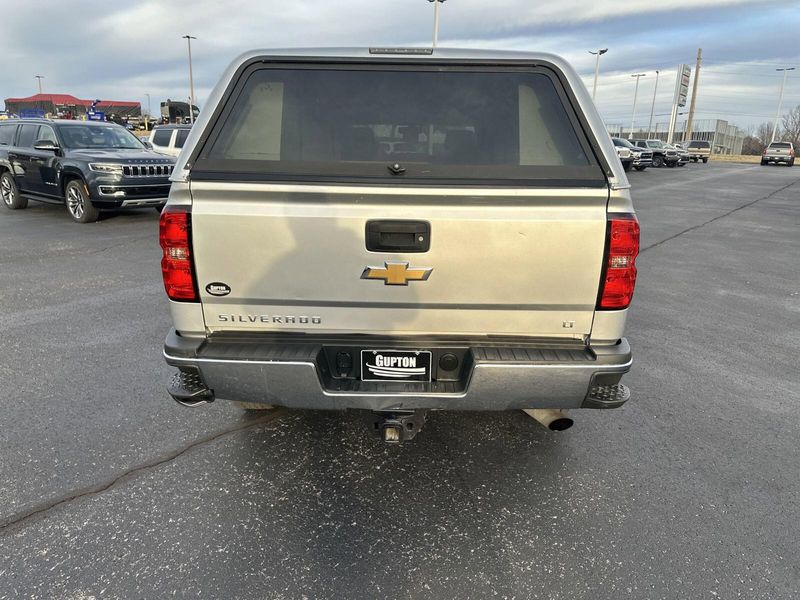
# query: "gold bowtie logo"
(397, 273)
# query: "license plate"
(395, 365)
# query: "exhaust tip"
(552, 418)
(561, 424)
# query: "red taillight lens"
(619, 275)
(176, 264)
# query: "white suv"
(169, 139)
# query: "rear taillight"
(619, 273)
(176, 264)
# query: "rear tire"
(10, 192)
(79, 205)
(658, 162)
(790, 163)
(671, 165)
(640, 168)
(705, 160)
(626, 166)
(253, 405)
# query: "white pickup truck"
(400, 230)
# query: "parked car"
(778, 152)
(698, 150)
(87, 165)
(625, 156)
(662, 156)
(683, 154)
(331, 276)
(169, 139)
(642, 157)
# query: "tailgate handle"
(398, 236)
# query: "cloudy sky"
(121, 51)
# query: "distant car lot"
(110, 489)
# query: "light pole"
(189, 39)
(149, 114)
(780, 100)
(635, 94)
(39, 79)
(652, 108)
(599, 53)
(436, 4)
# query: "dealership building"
(724, 137)
(65, 105)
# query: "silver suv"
(400, 230)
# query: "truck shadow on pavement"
(455, 499)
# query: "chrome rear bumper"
(498, 377)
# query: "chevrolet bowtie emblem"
(397, 273)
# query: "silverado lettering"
(268, 319)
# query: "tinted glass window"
(26, 135)
(161, 137)
(434, 124)
(699, 145)
(780, 145)
(7, 134)
(180, 138)
(46, 134)
(99, 136)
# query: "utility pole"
(436, 4)
(189, 39)
(687, 134)
(652, 108)
(39, 79)
(599, 53)
(780, 101)
(635, 94)
(149, 116)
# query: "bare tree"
(758, 139)
(791, 126)
(752, 145)
(764, 133)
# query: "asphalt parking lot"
(108, 489)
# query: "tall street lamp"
(39, 79)
(780, 100)
(652, 108)
(189, 39)
(599, 53)
(436, 4)
(149, 114)
(635, 94)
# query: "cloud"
(124, 51)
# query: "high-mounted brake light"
(176, 263)
(619, 272)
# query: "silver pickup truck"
(400, 230)
(778, 152)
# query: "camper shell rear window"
(423, 124)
